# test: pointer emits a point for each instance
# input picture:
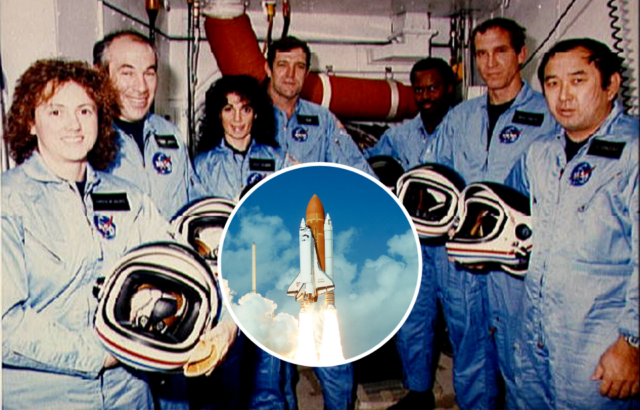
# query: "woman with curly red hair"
(64, 224)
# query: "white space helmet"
(430, 194)
(201, 225)
(155, 304)
(494, 228)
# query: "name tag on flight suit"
(110, 201)
(167, 141)
(606, 149)
(528, 118)
(308, 120)
(262, 164)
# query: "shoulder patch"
(110, 201)
(606, 149)
(308, 119)
(262, 164)
(528, 118)
(167, 141)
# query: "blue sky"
(376, 258)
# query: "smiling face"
(497, 60)
(288, 74)
(573, 89)
(237, 120)
(133, 69)
(66, 127)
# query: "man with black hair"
(578, 341)
(306, 131)
(482, 139)
(433, 83)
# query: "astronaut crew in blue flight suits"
(578, 343)
(433, 83)
(482, 139)
(153, 153)
(64, 224)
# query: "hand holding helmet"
(211, 350)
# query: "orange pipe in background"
(235, 47)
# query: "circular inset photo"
(320, 264)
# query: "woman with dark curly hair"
(236, 137)
(64, 223)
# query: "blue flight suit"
(275, 390)
(312, 135)
(164, 172)
(404, 142)
(480, 308)
(581, 289)
(225, 172)
(409, 143)
(55, 244)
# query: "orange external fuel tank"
(315, 221)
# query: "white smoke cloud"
(279, 333)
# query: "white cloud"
(278, 333)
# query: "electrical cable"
(555, 27)
(286, 13)
(143, 23)
(3, 116)
(617, 33)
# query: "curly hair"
(248, 89)
(38, 85)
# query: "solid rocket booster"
(329, 301)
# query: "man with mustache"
(433, 85)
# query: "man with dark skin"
(433, 85)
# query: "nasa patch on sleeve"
(110, 201)
(606, 149)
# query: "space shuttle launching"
(316, 258)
